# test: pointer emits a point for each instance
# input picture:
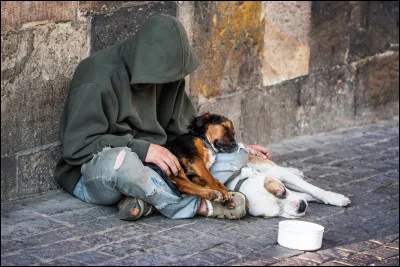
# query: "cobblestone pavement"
(362, 163)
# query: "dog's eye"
(229, 130)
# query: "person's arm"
(182, 114)
(85, 128)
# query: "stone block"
(229, 107)
(295, 261)
(377, 86)
(89, 257)
(270, 115)
(19, 260)
(36, 67)
(359, 260)
(326, 101)
(329, 36)
(279, 252)
(8, 178)
(101, 7)
(35, 172)
(62, 262)
(286, 50)
(374, 28)
(108, 29)
(58, 249)
(14, 14)
(228, 38)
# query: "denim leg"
(115, 172)
(226, 163)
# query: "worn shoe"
(221, 211)
(131, 208)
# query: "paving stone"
(315, 257)
(334, 253)
(131, 231)
(325, 159)
(382, 252)
(171, 249)
(388, 262)
(388, 239)
(201, 244)
(99, 239)
(333, 263)
(89, 257)
(258, 242)
(61, 234)
(19, 260)
(143, 259)
(189, 261)
(236, 248)
(253, 259)
(230, 234)
(294, 262)
(120, 249)
(181, 233)
(359, 260)
(58, 249)
(63, 262)
(150, 241)
(360, 246)
(32, 227)
(214, 256)
(14, 217)
(11, 246)
(279, 252)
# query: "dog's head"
(291, 205)
(216, 129)
(269, 197)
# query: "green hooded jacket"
(130, 94)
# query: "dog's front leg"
(188, 187)
(307, 197)
(294, 182)
(205, 178)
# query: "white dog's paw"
(295, 171)
(335, 199)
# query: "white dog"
(267, 185)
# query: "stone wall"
(277, 69)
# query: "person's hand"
(163, 158)
(259, 151)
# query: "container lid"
(300, 226)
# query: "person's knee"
(111, 160)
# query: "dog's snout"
(302, 206)
(234, 144)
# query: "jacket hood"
(159, 52)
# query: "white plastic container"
(300, 235)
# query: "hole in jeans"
(119, 159)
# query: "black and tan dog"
(196, 152)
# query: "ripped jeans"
(117, 172)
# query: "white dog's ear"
(276, 188)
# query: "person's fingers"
(171, 165)
(175, 160)
(264, 152)
(164, 167)
(258, 154)
(268, 154)
(261, 155)
(262, 149)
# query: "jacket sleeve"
(183, 112)
(86, 126)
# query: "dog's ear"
(197, 125)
